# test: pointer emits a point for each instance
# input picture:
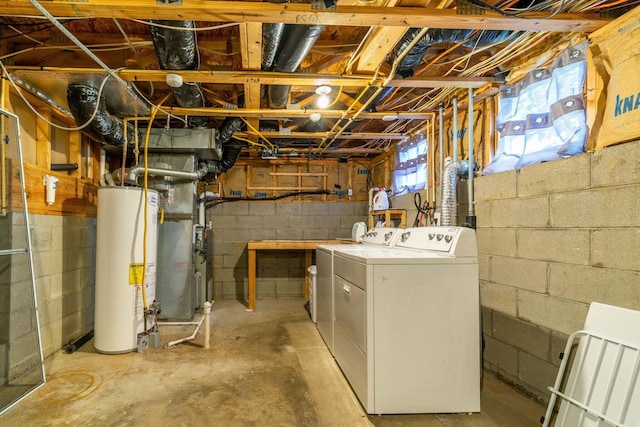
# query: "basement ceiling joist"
(357, 54)
(297, 13)
(270, 78)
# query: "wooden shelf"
(389, 214)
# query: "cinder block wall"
(64, 264)
(280, 274)
(552, 238)
(64, 267)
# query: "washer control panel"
(440, 239)
(384, 236)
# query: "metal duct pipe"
(448, 207)
(454, 131)
(230, 152)
(135, 171)
(297, 42)
(178, 50)
(83, 102)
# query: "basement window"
(542, 117)
(410, 172)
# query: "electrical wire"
(424, 210)
(106, 47)
(264, 199)
(248, 141)
(336, 98)
(258, 133)
(154, 111)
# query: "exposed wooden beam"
(268, 78)
(318, 135)
(278, 114)
(251, 51)
(377, 48)
(251, 45)
(298, 13)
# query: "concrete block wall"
(280, 274)
(552, 238)
(63, 251)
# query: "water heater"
(119, 312)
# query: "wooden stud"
(43, 138)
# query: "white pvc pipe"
(202, 214)
(103, 161)
(177, 323)
(190, 337)
(207, 325)
(471, 143)
(441, 146)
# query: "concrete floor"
(264, 368)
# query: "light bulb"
(323, 101)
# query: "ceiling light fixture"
(323, 98)
(173, 80)
(323, 90)
(314, 117)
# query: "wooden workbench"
(307, 245)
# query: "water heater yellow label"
(136, 272)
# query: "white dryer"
(375, 238)
(407, 322)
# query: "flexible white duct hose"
(448, 206)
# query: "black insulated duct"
(83, 102)
(413, 58)
(297, 41)
(230, 151)
(271, 36)
(178, 50)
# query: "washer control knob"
(439, 237)
(431, 236)
(448, 238)
(405, 236)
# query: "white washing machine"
(407, 322)
(375, 238)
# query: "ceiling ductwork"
(413, 58)
(271, 36)
(230, 148)
(177, 50)
(296, 42)
(87, 104)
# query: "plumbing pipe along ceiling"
(252, 68)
